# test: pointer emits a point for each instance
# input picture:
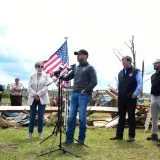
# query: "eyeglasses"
(40, 66)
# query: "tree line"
(52, 93)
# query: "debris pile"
(17, 120)
(109, 98)
(104, 102)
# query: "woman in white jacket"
(38, 96)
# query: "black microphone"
(71, 67)
(57, 73)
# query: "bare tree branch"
(127, 44)
(130, 42)
(116, 55)
(119, 53)
(132, 50)
(116, 79)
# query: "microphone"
(71, 67)
(57, 73)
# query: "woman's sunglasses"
(40, 66)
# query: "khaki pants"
(155, 109)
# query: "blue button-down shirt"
(139, 83)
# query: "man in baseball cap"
(85, 79)
(82, 51)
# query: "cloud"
(6, 58)
(33, 30)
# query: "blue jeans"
(78, 101)
(41, 110)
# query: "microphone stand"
(58, 127)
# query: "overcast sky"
(32, 30)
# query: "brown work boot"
(116, 138)
(130, 139)
(153, 137)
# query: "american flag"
(55, 61)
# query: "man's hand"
(133, 96)
(12, 90)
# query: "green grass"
(15, 146)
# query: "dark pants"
(16, 100)
(126, 105)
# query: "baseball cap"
(82, 51)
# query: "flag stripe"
(53, 67)
(50, 62)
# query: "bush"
(6, 94)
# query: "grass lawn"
(15, 146)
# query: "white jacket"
(38, 88)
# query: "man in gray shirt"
(85, 79)
(155, 101)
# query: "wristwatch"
(83, 91)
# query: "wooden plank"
(112, 95)
(148, 120)
(55, 109)
(113, 91)
(24, 108)
(141, 105)
(102, 109)
(112, 123)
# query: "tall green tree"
(8, 86)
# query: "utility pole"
(142, 76)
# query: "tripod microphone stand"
(58, 127)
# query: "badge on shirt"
(130, 75)
(84, 68)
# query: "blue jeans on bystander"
(41, 110)
(78, 102)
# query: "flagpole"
(66, 38)
(67, 95)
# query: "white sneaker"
(40, 136)
(29, 136)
